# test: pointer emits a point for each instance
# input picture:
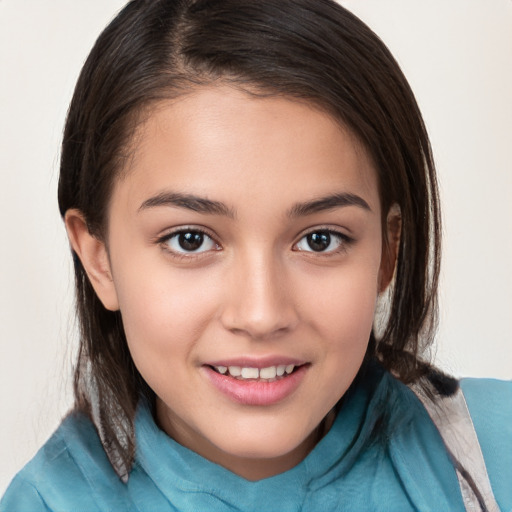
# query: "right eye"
(189, 241)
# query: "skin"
(255, 288)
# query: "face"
(245, 255)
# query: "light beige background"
(457, 55)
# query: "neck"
(250, 468)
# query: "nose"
(259, 298)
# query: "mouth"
(256, 383)
(268, 374)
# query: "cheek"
(343, 317)
(164, 311)
(344, 306)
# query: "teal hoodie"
(383, 453)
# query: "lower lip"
(252, 392)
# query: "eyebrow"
(188, 201)
(327, 203)
(207, 206)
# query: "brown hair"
(310, 49)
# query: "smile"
(250, 385)
(269, 374)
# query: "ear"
(94, 257)
(390, 246)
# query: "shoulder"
(490, 405)
(22, 496)
(489, 396)
(70, 468)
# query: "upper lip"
(257, 362)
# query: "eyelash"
(344, 242)
(184, 254)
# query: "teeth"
(269, 373)
(235, 371)
(289, 368)
(250, 373)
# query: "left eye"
(321, 241)
(190, 241)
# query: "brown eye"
(190, 241)
(319, 241)
(322, 241)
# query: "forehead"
(221, 141)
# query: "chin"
(266, 443)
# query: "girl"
(244, 184)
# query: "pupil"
(190, 241)
(319, 241)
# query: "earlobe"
(94, 257)
(390, 247)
